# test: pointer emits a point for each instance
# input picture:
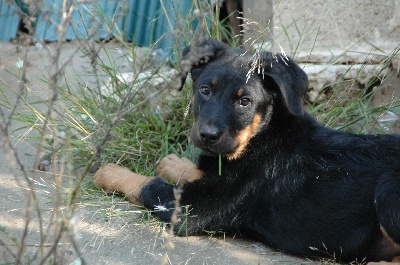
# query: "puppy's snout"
(209, 134)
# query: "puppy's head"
(236, 92)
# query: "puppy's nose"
(209, 134)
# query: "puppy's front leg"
(114, 178)
(153, 192)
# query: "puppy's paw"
(115, 178)
(109, 176)
(178, 169)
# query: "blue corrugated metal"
(140, 21)
(176, 10)
(88, 20)
(9, 21)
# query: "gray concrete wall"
(341, 24)
(259, 27)
(340, 40)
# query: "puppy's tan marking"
(240, 92)
(393, 246)
(383, 230)
(114, 178)
(214, 81)
(385, 247)
(178, 169)
(244, 137)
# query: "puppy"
(268, 170)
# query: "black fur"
(298, 186)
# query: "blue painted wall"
(141, 21)
(9, 21)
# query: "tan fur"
(114, 178)
(386, 247)
(393, 246)
(387, 236)
(244, 137)
(178, 169)
(240, 92)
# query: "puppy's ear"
(199, 53)
(288, 77)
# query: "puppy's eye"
(205, 90)
(244, 102)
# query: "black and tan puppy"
(285, 180)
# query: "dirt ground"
(101, 239)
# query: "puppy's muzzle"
(209, 134)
